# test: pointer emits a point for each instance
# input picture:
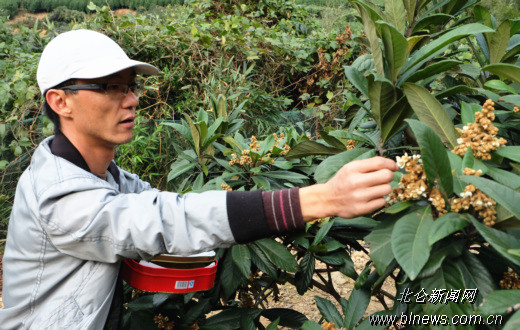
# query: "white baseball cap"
(83, 54)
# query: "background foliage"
(269, 94)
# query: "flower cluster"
(511, 280)
(225, 187)
(329, 326)
(480, 135)
(471, 196)
(413, 185)
(163, 322)
(351, 144)
(277, 142)
(438, 201)
(245, 159)
(516, 108)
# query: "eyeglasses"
(112, 90)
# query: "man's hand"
(357, 188)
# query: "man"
(76, 215)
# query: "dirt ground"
(289, 297)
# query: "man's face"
(104, 118)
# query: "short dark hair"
(49, 112)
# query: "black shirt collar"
(62, 147)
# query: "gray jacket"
(69, 231)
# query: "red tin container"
(170, 280)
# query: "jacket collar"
(62, 147)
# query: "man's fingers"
(378, 177)
(375, 192)
(373, 164)
(373, 205)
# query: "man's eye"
(114, 87)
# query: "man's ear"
(57, 100)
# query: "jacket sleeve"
(98, 223)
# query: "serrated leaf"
(329, 312)
(499, 301)
(394, 118)
(381, 93)
(332, 141)
(499, 85)
(504, 71)
(303, 277)
(396, 45)
(410, 241)
(446, 225)
(510, 152)
(373, 39)
(380, 240)
(430, 50)
(322, 232)
(514, 322)
(499, 240)
(504, 177)
(357, 79)
(242, 259)
(262, 262)
(231, 277)
(311, 325)
(288, 317)
(431, 112)
(355, 308)
(475, 275)
(498, 41)
(309, 148)
(433, 69)
(278, 254)
(433, 154)
(398, 207)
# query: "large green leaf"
(446, 225)
(514, 322)
(288, 317)
(503, 195)
(475, 275)
(433, 69)
(355, 307)
(380, 240)
(394, 118)
(262, 262)
(396, 46)
(409, 5)
(357, 79)
(322, 232)
(231, 277)
(329, 312)
(504, 177)
(499, 302)
(331, 165)
(431, 112)
(429, 51)
(242, 259)
(499, 240)
(303, 277)
(308, 148)
(431, 20)
(410, 241)
(434, 157)
(498, 41)
(504, 71)
(373, 39)
(381, 93)
(230, 318)
(396, 14)
(278, 254)
(511, 152)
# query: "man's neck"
(97, 156)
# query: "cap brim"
(107, 69)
